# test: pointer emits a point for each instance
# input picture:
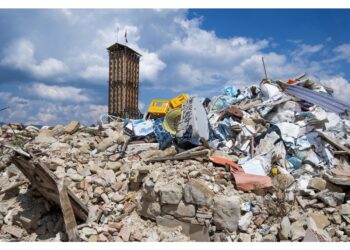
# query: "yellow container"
(177, 101)
(159, 107)
(171, 120)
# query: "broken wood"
(17, 150)
(45, 182)
(4, 108)
(68, 213)
(14, 186)
(182, 156)
(335, 143)
(340, 152)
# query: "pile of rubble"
(266, 163)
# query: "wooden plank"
(16, 185)
(182, 156)
(335, 143)
(68, 213)
(43, 180)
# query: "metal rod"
(262, 58)
(4, 108)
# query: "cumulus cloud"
(59, 93)
(150, 66)
(150, 63)
(306, 49)
(340, 85)
(18, 107)
(20, 55)
(95, 72)
(342, 52)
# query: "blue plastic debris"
(142, 127)
(231, 91)
(163, 137)
(296, 162)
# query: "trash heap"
(263, 163)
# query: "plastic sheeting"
(324, 101)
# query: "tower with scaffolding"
(123, 91)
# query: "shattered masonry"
(263, 163)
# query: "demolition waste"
(268, 162)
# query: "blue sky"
(53, 63)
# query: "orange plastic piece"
(248, 182)
(224, 162)
(177, 101)
(245, 182)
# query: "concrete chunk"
(197, 192)
(226, 212)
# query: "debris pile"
(265, 163)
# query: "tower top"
(118, 47)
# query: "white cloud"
(150, 66)
(58, 93)
(340, 85)
(150, 63)
(342, 52)
(306, 49)
(95, 72)
(4, 96)
(45, 118)
(20, 55)
(18, 107)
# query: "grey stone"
(332, 199)
(98, 191)
(285, 229)
(171, 193)
(71, 173)
(347, 230)
(45, 136)
(297, 230)
(83, 170)
(316, 235)
(197, 192)
(15, 231)
(12, 170)
(180, 210)
(148, 209)
(58, 130)
(117, 197)
(243, 237)
(282, 181)
(226, 212)
(194, 231)
(103, 145)
(115, 166)
(336, 219)
(244, 221)
(344, 209)
(107, 175)
(294, 215)
(320, 220)
(317, 183)
(87, 231)
(72, 127)
(269, 238)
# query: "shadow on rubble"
(32, 212)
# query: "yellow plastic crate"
(159, 107)
(177, 101)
